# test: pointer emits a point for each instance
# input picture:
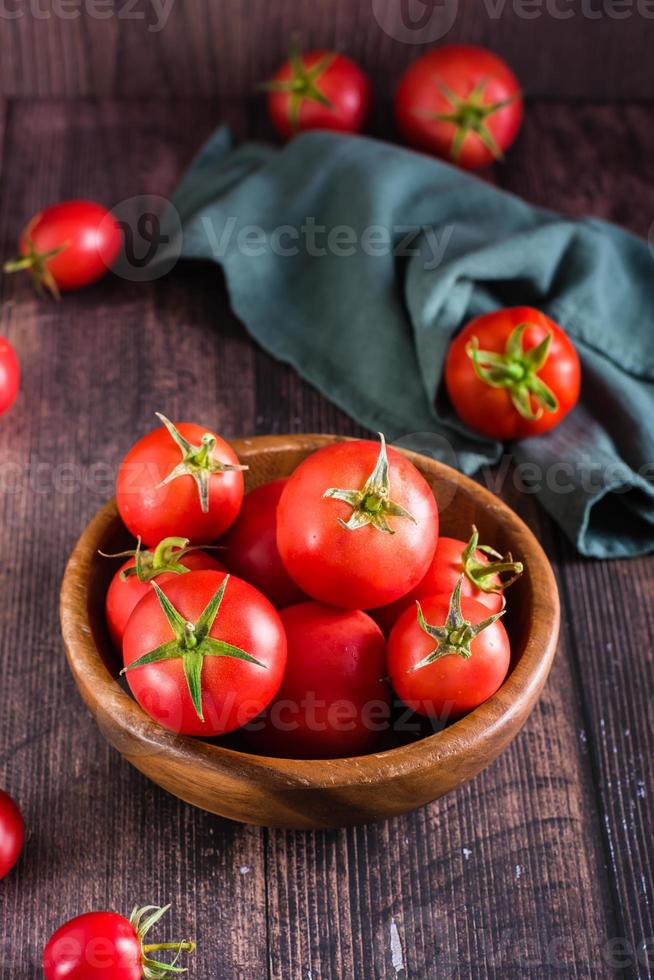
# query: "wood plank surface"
(530, 870)
(566, 48)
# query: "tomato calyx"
(456, 634)
(302, 85)
(166, 557)
(372, 503)
(142, 920)
(197, 462)
(192, 643)
(481, 573)
(37, 264)
(469, 114)
(517, 371)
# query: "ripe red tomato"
(512, 373)
(460, 102)
(447, 656)
(332, 701)
(251, 546)
(205, 656)
(357, 527)
(132, 581)
(318, 90)
(179, 481)
(107, 946)
(68, 245)
(12, 833)
(9, 375)
(482, 578)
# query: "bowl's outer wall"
(309, 794)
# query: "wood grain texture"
(579, 49)
(529, 870)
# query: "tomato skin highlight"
(12, 833)
(91, 236)
(450, 686)
(94, 946)
(343, 83)
(362, 568)
(9, 375)
(251, 546)
(233, 691)
(489, 410)
(459, 68)
(123, 595)
(336, 662)
(153, 512)
(442, 575)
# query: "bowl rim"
(492, 721)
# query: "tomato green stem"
(482, 574)
(517, 371)
(302, 85)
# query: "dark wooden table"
(542, 866)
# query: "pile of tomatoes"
(303, 611)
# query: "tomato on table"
(107, 946)
(12, 833)
(483, 570)
(318, 90)
(333, 701)
(512, 373)
(205, 654)
(68, 246)
(131, 582)
(9, 375)
(460, 102)
(179, 481)
(447, 655)
(357, 525)
(251, 546)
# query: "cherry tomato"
(357, 525)
(12, 833)
(132, 580)
(9, 375)
(447, 655)
(333, 701)
(179, 481)
(482, 578)
(512, 373)
(251, 546)
(318, 90)
(107, 946)
(68, 245)
(460, 102)
(204, 655)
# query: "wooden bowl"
(311, 794)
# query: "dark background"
(542, 866)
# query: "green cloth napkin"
(302, 234)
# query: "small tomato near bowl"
(68, 245)
(459, 102)
(318, 90)
(12, 833)
(107, 946)
(9, 375)
(512, 373)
